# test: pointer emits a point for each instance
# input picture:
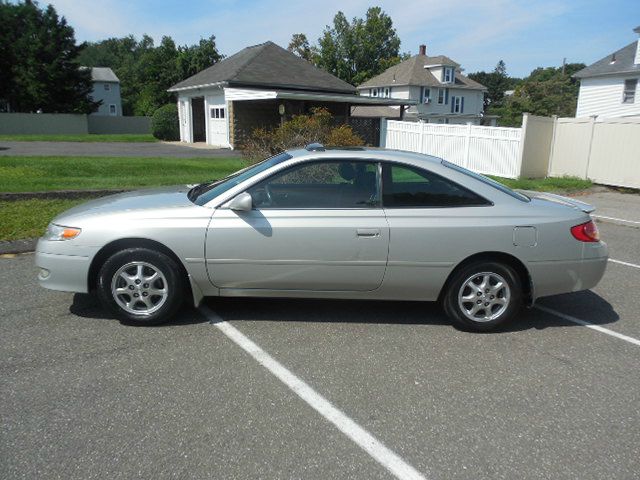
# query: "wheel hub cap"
(139, 288)
(484, 296)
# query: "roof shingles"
(413, 72)
(619, 62)
(267, 65)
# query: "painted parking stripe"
(615, 219)
(370, 444)
(620, 262)
(600, 329)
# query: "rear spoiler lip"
(552, 197)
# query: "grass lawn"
(560, 184)
(37, 174)
(29, 218)
(126, 137)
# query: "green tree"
(546, 92)
(38, 61)
(299, 45)
(146, 71)
(358, 50)
(497, 82)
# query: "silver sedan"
(328, 223)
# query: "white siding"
(602, 96)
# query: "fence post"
(421, 148)
(467, 144)
(383, 132)
(523, 139)
(593, 126)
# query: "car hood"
(559, 199)
(151, 199)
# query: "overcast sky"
(475, 33)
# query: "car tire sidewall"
(160, 261)
(452, 308)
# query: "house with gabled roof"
(259, 87)
(435, 84)
(609, 87)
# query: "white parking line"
(600, 329)
(374, 447)
(616, 219)
(624, 263)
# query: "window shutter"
(461, 104)
(446, 96)
(453, 103)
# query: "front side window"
(107, 86)
(426, 95)
(629, 92)
(457, 104)
(442, 96)
(112, 109)
(315, 185)
(405, 186)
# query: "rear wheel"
(483, 295)
(141, 286)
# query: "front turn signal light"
(59, 232)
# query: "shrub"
(298, 132)
(165, 124)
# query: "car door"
(315, 226)
(434, 223)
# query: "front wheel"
(141, 286)
(483, 295)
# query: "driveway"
(113, 149)
(257, 388)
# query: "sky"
(475, 33)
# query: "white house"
(259, 87)
(441, 93)
(609, 87)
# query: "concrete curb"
(18, 246)
(57, 194)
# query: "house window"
(217, 112)
(447, 75)
(442, 96)
(382, 92)
(112, 109)
(629, 92)
(457, 104)
(107, 87)
(426, 95)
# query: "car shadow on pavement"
(586, 306)
(88, 306)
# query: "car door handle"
(368, 232)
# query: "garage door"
(218, 125)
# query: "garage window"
(405, 186)
(217, 112)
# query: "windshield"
(487, 181)
(206, 192)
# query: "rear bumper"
(63, 266)
(552, 278)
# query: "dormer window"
(447, 75)
(382, 92)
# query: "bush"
(298, 132)
(165, 124)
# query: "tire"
(141, 286)
(471, 307)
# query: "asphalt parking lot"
(322, 389)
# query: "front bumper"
(64, 266)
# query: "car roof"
(365, 153)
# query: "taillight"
(586, 232)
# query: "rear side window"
(404, 186)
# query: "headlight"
(59, 232)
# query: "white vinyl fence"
(487, 150)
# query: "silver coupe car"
(328, 223)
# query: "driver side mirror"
(241, 203)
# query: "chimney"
(422, 49)
(637, 59)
